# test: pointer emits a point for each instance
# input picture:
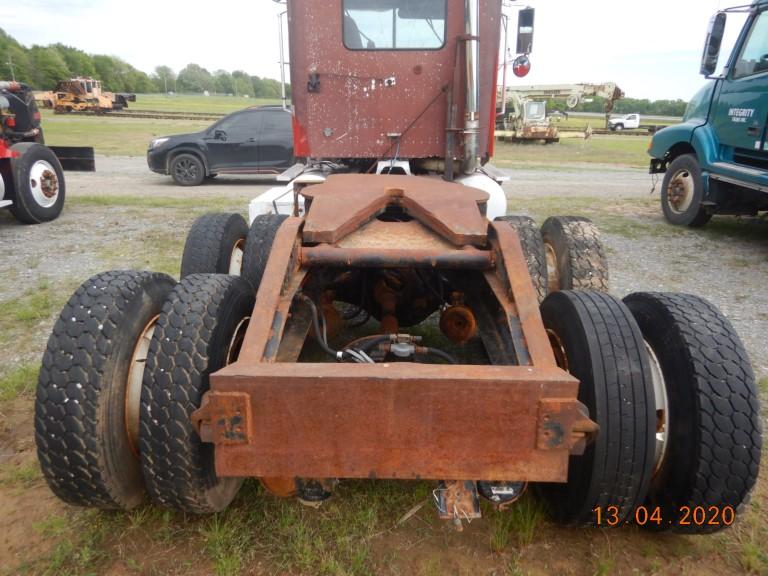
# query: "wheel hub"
(680, 191)
(44, 183)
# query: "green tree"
(164, 79)
(241, 83)
(195, 78)
(223, 83)
(78, 62)
(48, 67)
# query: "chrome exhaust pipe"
(472, 106)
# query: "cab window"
(753, 58)
(394, 24)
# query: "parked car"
(252, 141)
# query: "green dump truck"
(716, 160)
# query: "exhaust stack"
(472, 107)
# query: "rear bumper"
(397, 420)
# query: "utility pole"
(10, 65)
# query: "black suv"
(251, 141)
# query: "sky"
(651, 49)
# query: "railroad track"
(154, 114)
(165, 115)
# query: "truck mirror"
(525, 30)
(712, 44)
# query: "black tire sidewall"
(592, 326)
(533, 250)
(560, 316)
(210, 243)
(701, 446)
(258, 246)
(191, 341)
(96, 358)
(25, 208)
(674, 476)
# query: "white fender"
(497, 201)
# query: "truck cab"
(716, 160)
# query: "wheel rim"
(236, 258)
(44, 183)
(662, 411)
(186, 170)
(134, 383)
(561, 358)
(553, 276)
(680, 191)
(236, 342)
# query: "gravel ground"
(727, 265)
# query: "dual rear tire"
(668, 381)
(127, 363)
(222, 243)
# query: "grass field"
(195, 103)
(118, 136)
(112, 136)
(620, 151)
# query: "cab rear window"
(394, 24)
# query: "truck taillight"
(36, 116)
(10, 122)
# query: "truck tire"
(575, 255)
(682, 192)
(198, 332)
(215, 245)
(618, 127)
(86, 407)
(258, 245)
(187, 170)
(38, 184)
(601, 345)
(709, 454)
(533, 249)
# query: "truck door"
(741, 111)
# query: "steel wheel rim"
(134, 383)
(553, 276)
(186, 170)
(662, 409)
(236, 342)
(680, 191)
(44, 183)
(236, 258)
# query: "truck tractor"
(31, 177)
(396, 323)
(716, 160)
